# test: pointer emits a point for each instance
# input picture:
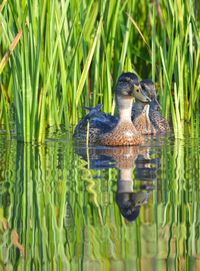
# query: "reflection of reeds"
(71, 55)
(65, 221)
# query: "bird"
(95, 122)
(108, 130)
(142, 121)
(156, 122)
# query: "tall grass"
(71, 54)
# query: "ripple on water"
(126, 208)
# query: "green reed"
(71, 54)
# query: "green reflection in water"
(61, 207)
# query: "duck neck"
(125, 180)
(146, 112)
(125, 107)
(140, 105)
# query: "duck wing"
(99, 122)
(159, 122)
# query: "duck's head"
(149, 89)
(127, 205)
(128, 86)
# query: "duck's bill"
(141, 95)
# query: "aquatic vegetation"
(57, 211)
(70, 55)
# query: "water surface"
(67, 207)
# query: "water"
(67, 207)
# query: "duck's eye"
(137, 89)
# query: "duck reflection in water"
(128, 201)
(126, 159)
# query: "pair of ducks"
(142, 118)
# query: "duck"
(154, 123)
(108, 130)
(95, 122)
(142, 121)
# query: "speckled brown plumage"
(123, 134)
(155, 123)
(160, 124)
(93, 124)
(143, 124)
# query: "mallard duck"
(105, 129)
(96, 122)
(142, 121)
(154, 122)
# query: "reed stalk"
(71, 55)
